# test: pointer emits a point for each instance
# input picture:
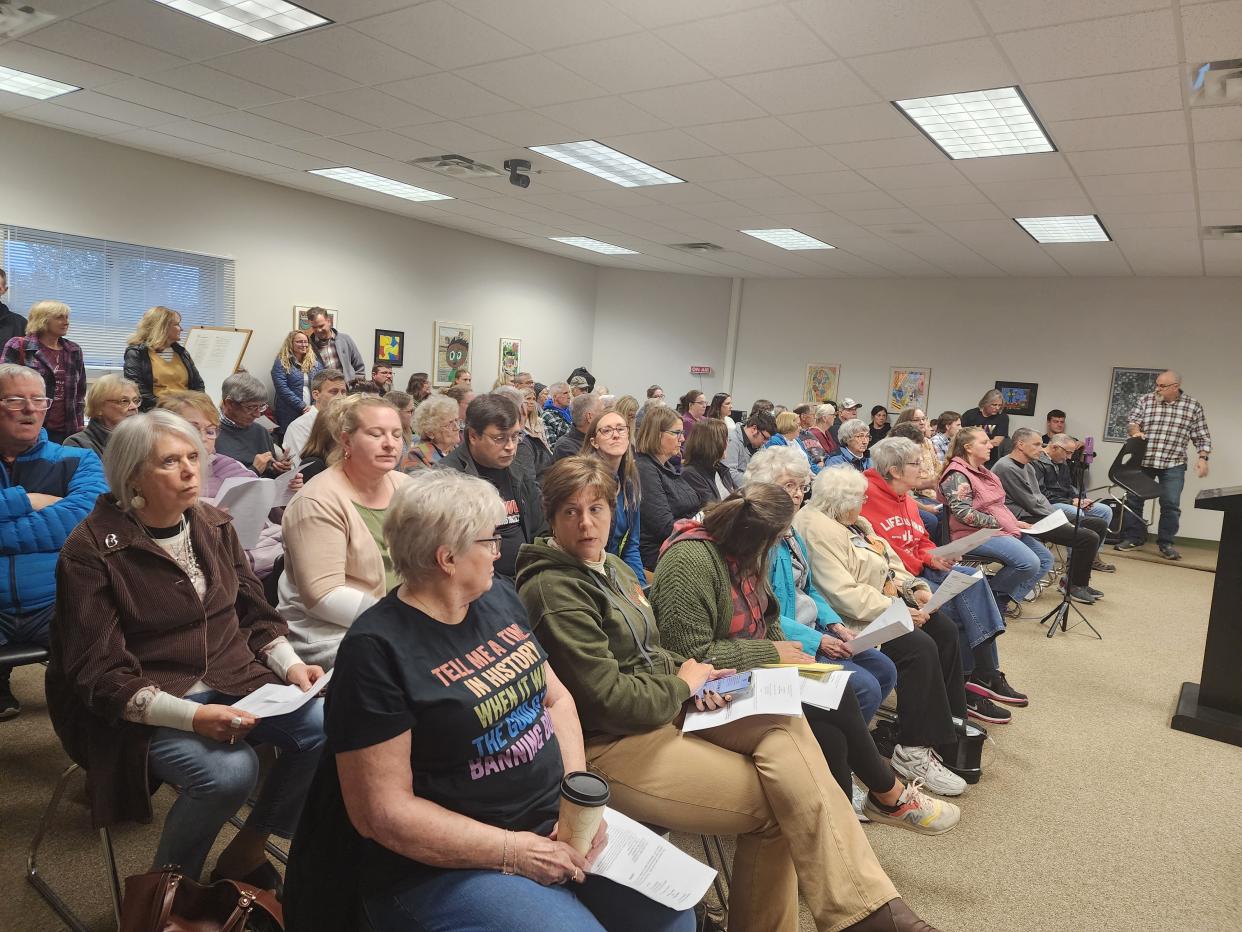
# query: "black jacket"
(569, 445)
(11, 324)
(525, 490)
(703, 481)
(138, 371)
(666, 496)
(1056, 481)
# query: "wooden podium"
(1213, 706)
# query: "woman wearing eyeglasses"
(336, 561)
(666, 495)
(45, 350)
(155, 361)
(608, 438)
(109, 400)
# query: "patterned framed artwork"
(1019, 397)
(822, 382)
(510, 358)
(299, 316)
(390, 348)
(908, 388)
(452, 343)
(1128, 385)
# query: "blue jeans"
(26, 628)
(489, 901)
(1097, 510)
(874, 677)
(1025, 560)
(978, 621)
(216, 778)
(1171, 481)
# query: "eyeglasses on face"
(676, 433)
(620, 430)
(20, 402)
(504, 440)
(209, 433)
(252, 407)
(794, 487)
(493, 543)
(126, 402)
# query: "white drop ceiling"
(777, 115)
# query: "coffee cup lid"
(585, 789)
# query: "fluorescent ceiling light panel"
(379, 183)
(255, 19)
(979, 124)
(788, 239)
(585, 242)
(609, 164)
(31, 85)
(1084, 229)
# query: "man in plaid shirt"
(1169, 419)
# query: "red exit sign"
(700, 370)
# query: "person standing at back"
(991, 417)
(335, 350)
(292, 371)
(47, 351)
(155, 361)
(11, 324)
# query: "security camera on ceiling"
(515, 168)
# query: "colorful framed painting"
(452, 344)
(510, 358)
(1128, 386)
(908, 388)
(390, 348)
(299, 316)
(822, 382)
(1018, 397)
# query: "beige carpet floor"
(1092, 815)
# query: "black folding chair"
(1126, 475)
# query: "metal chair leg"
(50, 896)
(716, 860)
(110, 872)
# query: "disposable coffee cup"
(583, 798)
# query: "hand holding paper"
(775, 692)
(892, 624)
(963, 545)
(638, 858)
(954, 585)
(1049, 523)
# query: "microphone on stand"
(1088, 450)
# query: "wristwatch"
(1204, 457)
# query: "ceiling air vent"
(456, 166)
(17, 20)
(698, 247)
(1229, 231)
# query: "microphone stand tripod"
(1060, 614)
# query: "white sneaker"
(923, 764)
(917, 812)
(859, 800)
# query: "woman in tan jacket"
(336, 562)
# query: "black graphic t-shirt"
(472, 697)
(512, 536)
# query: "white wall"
(292, 247)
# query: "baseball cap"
(577, 382)
(849, 403)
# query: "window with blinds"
(109, 286)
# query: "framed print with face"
(907, 388)
(452, 344)
(822, 382)
(510, 358)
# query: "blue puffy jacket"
(288, 387)
(30, 540)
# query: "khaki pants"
(764, 779)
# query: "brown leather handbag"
(167, 901)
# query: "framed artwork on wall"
(1019, 397)
(390, 348)
(299, 316)
(822, 382)
(451, 344)
(510, 358)
(908, 388)
(1128, 385)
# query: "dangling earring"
(348, 454)
(137, 501)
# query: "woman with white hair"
(109, 400)
(439, 432)
(450, 735)
(160, 628)
(45, 349)
(854, 437)
(861, 576)
(156, 361)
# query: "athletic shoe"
(859, 799)
(1035, 593)
(983, 709)
(1169, 552)
(1101, 567)
(1012, 609)
(923, 765)
(996, 687)
(1081, 594)
(1094, 591)
(10, 707)
(1127, 545)
(915, 811)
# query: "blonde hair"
(787, 421)
(175, 401)
(438, 508)
(153, 328)
(349, 414)
(287, 359)
(103, 388)
(42, 313)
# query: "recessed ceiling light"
(31, 85)
(609, 164)
(585, 242)
(255, 19)
(788, 239)
(979, 124)
(379, 183)
(1084, 229)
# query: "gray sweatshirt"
(1022, 494)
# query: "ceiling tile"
(1017, 168)
(1219, 154)
(941, 196)
(856, 200)
(448, 95)
(787, 205)
(809, 87)
(523, 128)
(754, 40)
(1107, 95)
(75, 120)
(1139, 159)
(1219, 180)
(532, 81)
(605, 116)
(914, 150)
(792, 161)
(951, 213)
(630, 63)
(1162, 252)
(967, 65)
(101, 48)
(748, 135)
(1042, 189)
(1222, 257)
(1210, 124)
(1101, 46)
(369, 105)
(333, 152)
(550, 24)
(448, 137)
(393, 145)
(358, 57)
(827, 183)
(1008, 15)
(882, 25)
(312, 118)
(750, 188)
(1211, 31)
(163, 28)
(114, 109)
(218, 86)
(655, 13)
(1019, 204)
(442, 35)
(270, 68)
(660, 145)
(873, 217)
(852, 124)
(1138, 183)
(1141, 203)
(1153, 220)
(1140, 129)
(49, 64)
(692, 104)
(913, 176)
(240, 164)
(160, 142)
(257, 127)
(158, 97)
(709, 168)
(1090, 259)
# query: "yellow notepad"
(813, 671)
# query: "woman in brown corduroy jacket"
(160, 627)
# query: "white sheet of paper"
(638, 858)
(248, 501)
(272, 699)
(892, 624)
(1049, 523)
(775, 692)
(954, 585)
(282, 487)
(825, 693)
(964, 545)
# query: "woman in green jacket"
(760, 778)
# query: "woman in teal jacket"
(609, 439)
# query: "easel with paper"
(217, 353)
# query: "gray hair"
(838, 491)
(438, 508)
(990, 397)
(825, 411)
(434, 412)
(557, 387)
(324, 376)
(892, 453)
(103, 388)
(513, 394)
(851, 429)
(1063, 440)
(132, 444)
(11, 370)
(242, 388)
(1023, 434)
(581, 406)
(772, 463)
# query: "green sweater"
(693, 603)
(601, 640)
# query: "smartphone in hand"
(738, 686)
